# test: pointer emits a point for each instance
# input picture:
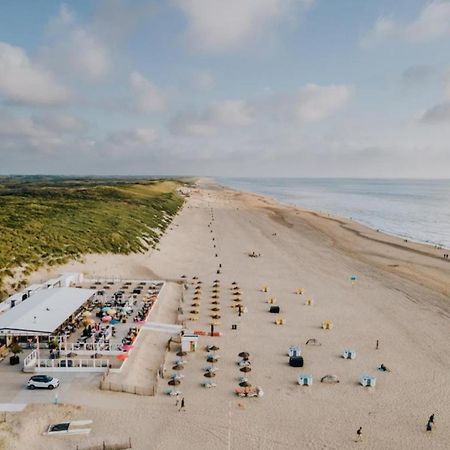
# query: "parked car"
(42, 382)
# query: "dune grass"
(45, 221)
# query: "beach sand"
(401, 298)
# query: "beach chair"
(265, 289)
(271, 301)
(348, 354)
(280, 321)
(305, 379)
(294, 350)
(309, 302)
(367, 381)
(327, 324)
(299, 291)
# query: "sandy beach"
(400, 298)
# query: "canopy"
(43, 312)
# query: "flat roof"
(43, 312)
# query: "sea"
(414, 209)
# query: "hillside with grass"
(46, 221)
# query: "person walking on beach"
(359, 434)
(430, 423)
(182, 405)
(378, 344)
(177, 400)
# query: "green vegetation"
(50, 220)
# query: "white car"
(42, 382)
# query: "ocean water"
(415, 209)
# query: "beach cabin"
(189, 342)
(305, 379)
(368, 381)
(349, 354)
(327, 324)
(294, 350)
(296, 361)
(274, 309)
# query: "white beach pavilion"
(44, 312)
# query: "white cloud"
(134, 137)
(148, 97)
(203, 81)
(218, 25)
(76, 49)
(26, 133)
(60, 122)
(314, 103)
(23, 81)
(227, 114)
(433, 22)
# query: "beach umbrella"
(174, 382)
(235, 288)
(181, 353)
(234, 283)
(178, 367)
(87, 314)
(245, 369)
(214, 348)
(196, 297)
(106, 319)
(195, 278)
(105, 308)
(244, 355)
(237, 299)
(237, 293)
(199, 282)
(183, 276)
(87, 322)
(209, 374)
(195, 304)
(215, 291)
(122, 356)
(216, 281)
(215, 309)
(245, 384)
(216, 285)
(127, 347)
(215, 316)
(215, 302)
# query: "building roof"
(44, 311)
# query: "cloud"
(314, 103)
(60, 122)
(203, 81)
(134, 137)
(24, 81)
(437, 114)
(417, 75)
(25, 133)
(227, 114)
(432, 23)
(78, 49)
(147, 96)
(218, 26)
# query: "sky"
(307, 88)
